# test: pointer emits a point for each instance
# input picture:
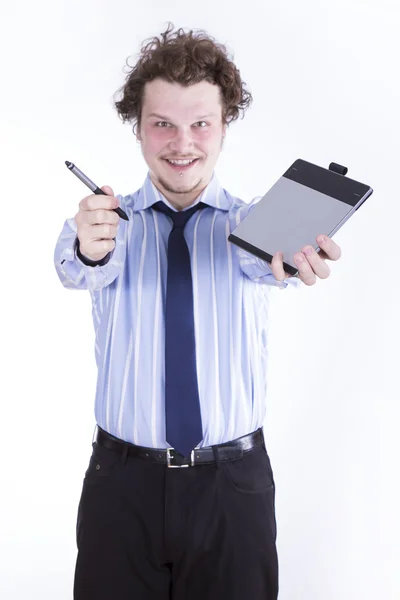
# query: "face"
(181, 123)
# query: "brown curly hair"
(184, 58)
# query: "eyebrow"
(164, 118)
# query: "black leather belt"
(170, 457)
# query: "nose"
(181, 140)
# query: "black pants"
(148, 532)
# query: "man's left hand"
(311, 264)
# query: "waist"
(232, 450)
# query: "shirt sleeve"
(78, 272)
(255, 268)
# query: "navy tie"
(184, 429)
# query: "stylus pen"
(93, 187)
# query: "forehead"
(173, 99)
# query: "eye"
(163, 124)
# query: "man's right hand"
(97, 224)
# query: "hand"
(97, 224)
(311, 264)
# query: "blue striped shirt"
(231, 295)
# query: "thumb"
(107, 190)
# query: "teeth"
(181, 162)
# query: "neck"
(179, 200)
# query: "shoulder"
(129, 199)
(239, 208)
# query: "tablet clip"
(338, 168)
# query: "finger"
(99, 247)
(107, 190)
(317, 264)
(100, 216)
(95, 201)
(277, 267)
(102, 232)
(306, 273)
(329, 249)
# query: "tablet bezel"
(349, 191)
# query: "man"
(178, 498)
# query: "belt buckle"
(178, 466)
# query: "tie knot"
(181, 217)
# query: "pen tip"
(68, 163)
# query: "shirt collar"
(212, 195)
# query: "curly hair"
(184, 58)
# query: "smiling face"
(181, 123)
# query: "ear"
(137, 132)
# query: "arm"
(76, 271)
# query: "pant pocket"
(102, 465)
(252, 474)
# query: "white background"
(325, 81)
